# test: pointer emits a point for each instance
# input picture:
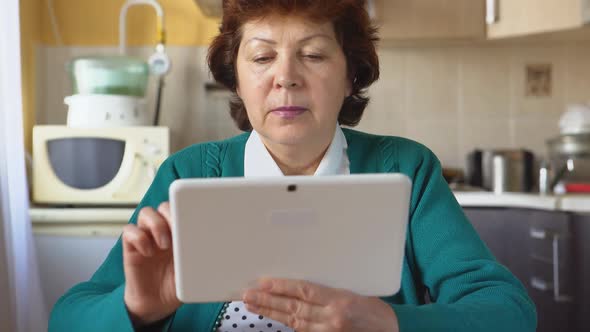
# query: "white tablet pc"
(344, 231)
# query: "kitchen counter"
(575, 203)
(76, 220)
(518, 200)
(568, 203)
(92, 221)
(80, 215)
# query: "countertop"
(117, 216)
(579, 203)
(80, 215)
(84, 222)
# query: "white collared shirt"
(259, 162)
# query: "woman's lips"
(289, 112)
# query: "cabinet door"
(498, 227)
(522, 240)
(430, 19)
(553, 269)
(525, 17)
(582, 247)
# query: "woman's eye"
(262, 59)
(313, 57)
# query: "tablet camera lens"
(291, 188)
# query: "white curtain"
(22, 308)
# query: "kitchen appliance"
(567, 168)
(500, 171)
(568, 163)
(109, 91)
(72, 243)
(96, 166)
(110, 75)
(96, 110)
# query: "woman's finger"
(164, 210)
(156, 225)
(303, 290)
(288, 305)
(136, 239)
(290, 320)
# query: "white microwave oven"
(95, 166)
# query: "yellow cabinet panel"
(430, 19)
(526, 17)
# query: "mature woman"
(299, 70)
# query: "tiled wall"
(456, 99)
(453, 99)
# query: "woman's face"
(292, 79)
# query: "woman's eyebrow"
(318, 35)
(303, 40)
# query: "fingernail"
(164, 242)
(250, 297)
(264, 284)
(251, 307)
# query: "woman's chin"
(289, 135)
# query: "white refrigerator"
(72, 243)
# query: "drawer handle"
(540, 284)
(539, 234)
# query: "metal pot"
(569, 162)
(501, 170)
(569, 146)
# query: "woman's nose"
(286, 83)
(287, 75)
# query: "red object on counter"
(577, 187)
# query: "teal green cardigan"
(470, 291)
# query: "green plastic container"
(113, 75)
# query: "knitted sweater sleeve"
(470, 290)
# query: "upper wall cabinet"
(510, 18)
(402, 20)
(430, 19)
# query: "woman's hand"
(304, 306)
(150, 289)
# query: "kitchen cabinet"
(582, 247)
(539, 247)
(430, 19)
(402, 20)
(525, 17)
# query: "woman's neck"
(291, 164)
(299, 161)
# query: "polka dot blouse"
(237, 318)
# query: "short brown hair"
(353, 28)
